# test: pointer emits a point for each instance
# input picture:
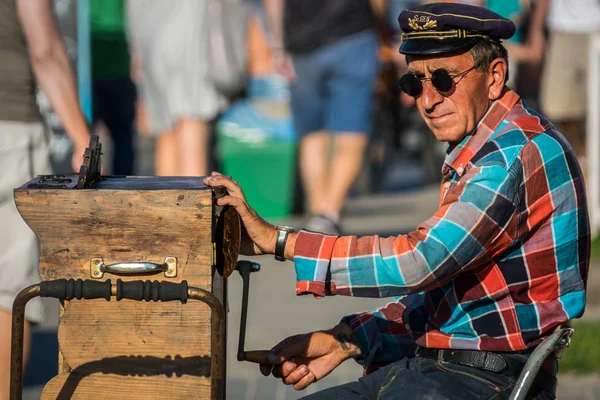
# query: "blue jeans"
(422, 378)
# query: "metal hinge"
(214, 254)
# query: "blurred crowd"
(304, 91)
(214, 72)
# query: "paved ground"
(271, 321)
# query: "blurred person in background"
(168, 47)
(514, 10)
(478, 3)
(114, 94)
(30, 46)
(564, 81)
(410, 141)
(328, 51)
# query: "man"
(29, 44)
(501, 264)
(328, 50)
(114, 94)
(564, 86)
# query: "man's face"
(451, 116)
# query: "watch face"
(285, 228)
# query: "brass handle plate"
(98, 268)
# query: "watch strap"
(282, 236)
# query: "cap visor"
(433, 46)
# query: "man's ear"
(497, 78)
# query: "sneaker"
(322, 224)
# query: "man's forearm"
(345, 338)
(274, 10)
(379, 8)
(51, 66)
(540, 13)
(56, 78)
(289, 246)
(382, 334)
(415, 262)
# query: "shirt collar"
(459, 156)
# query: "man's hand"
(77, 158)
(303, 359)
(284, 65)
(259, 237)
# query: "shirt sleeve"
(476, 221)
(382, 334)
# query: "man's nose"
(430, 97)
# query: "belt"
(488, 361)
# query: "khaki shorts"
(564, 81)
(24, 154)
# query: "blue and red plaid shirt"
(498, 267)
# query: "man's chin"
(442, 135)
(442, 131)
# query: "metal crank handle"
(245, 268)
(257, 356)
(98, 268)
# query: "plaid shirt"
(498, 267)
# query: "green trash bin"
(259, 152)
(265, 171)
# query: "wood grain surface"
(85, 385)
(120, 226)
(96, 329)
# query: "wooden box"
(132, 349)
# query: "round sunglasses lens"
(411, 85)
(441, 80)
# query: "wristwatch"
(282, 236)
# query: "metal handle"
(135, 290)
(98, 268)
(257, 356)
(134, 268)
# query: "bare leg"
(314, 149)
(166, 157)
(346, 164)
(5, 341)
(192, 146)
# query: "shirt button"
(447, 184)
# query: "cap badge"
(422, 23)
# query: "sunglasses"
(441, 80)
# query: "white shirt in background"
(574, 16)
